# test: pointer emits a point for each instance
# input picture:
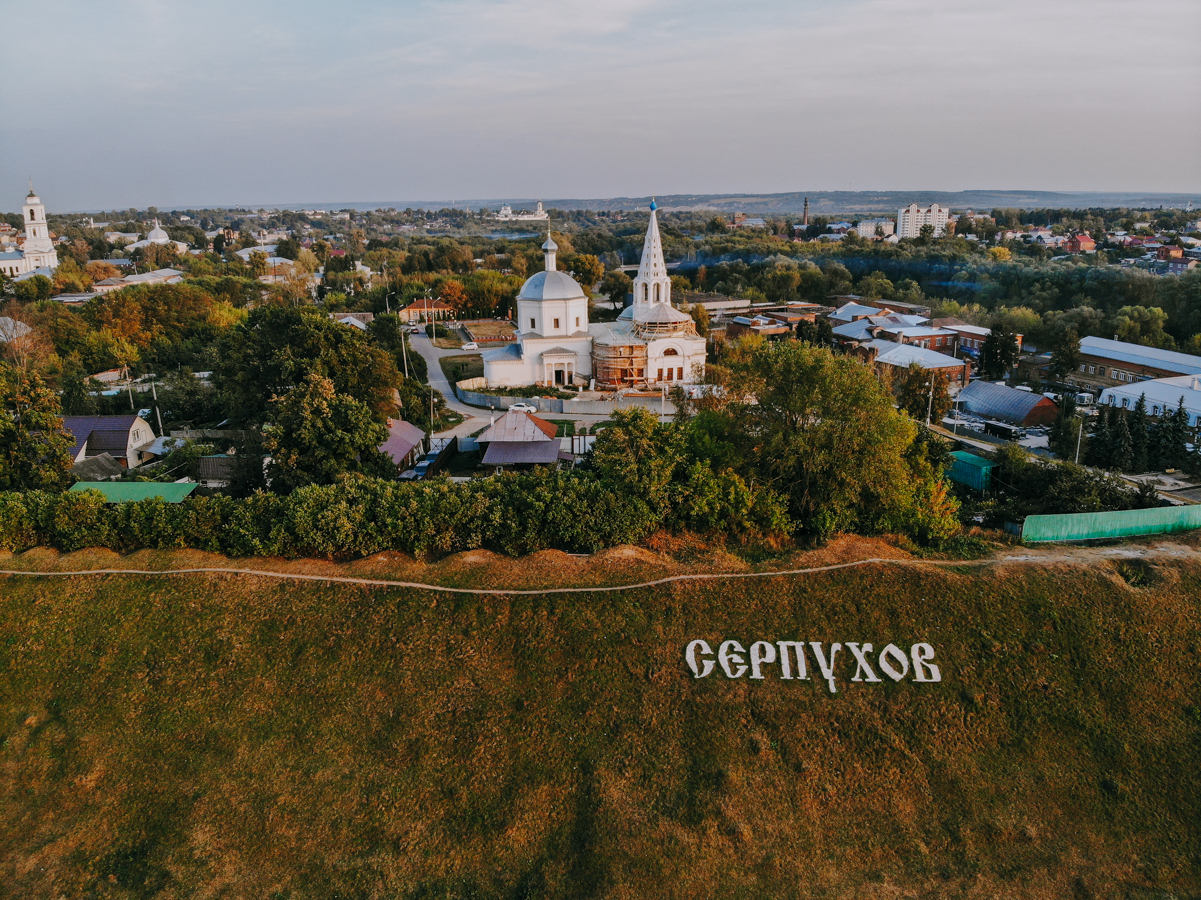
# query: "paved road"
(473, 419)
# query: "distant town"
(177, 354)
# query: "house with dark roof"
(125, 438)
(216, 471)
(519, 440)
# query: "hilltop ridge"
(189, 735)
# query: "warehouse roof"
(996, 401)
(1169, 360)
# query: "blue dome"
(653, 204)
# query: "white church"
(37, 251)
(651, 344)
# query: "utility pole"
(404, 349)
(158, 415)
(1079, 437)
(930, 404)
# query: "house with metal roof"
(1105, 363)
(133, 491)
(971, 470)
(520, 439)
(1006, 404)
(125, 438)
(852, 312)
(900, 356)
(403, 445)
(1160, 395)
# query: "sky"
(132, 103)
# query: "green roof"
(971, 459)
(130, 491)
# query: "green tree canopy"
(999, 353)
(317, 434)
(825, 435)
(276, 348)
(1065, 355)
(924, 392)
(34, 446)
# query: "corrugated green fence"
(1091, 526)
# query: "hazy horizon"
(144, 102)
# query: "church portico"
(559, 366)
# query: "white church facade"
(651, 344)
(37, 251)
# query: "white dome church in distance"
(651, 344)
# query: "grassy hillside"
(230, 736)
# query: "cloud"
(154, 102)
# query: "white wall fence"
(464, 390)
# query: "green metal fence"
(1092, 526)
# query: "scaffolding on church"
(619, 365)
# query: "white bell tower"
(39, 249)
(652, 284)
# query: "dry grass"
(491, 329)
(229, 736)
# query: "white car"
(523, 407)
(471, 345)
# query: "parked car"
(471, 345)
(523, 407)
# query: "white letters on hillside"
(892, 661)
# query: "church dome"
(551, 285)
(158, 235)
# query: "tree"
(1121, 444)
(1065, 355)
(700, 315)
(452, 293)
(585, 269)
(818, 332)
(1143, 325)
(34, 445)
(318, 434)
(1139, 436)
(924, 391)
(39, 287)
(822, 432)
(277, 347)
(258, 263)
(616, 285)
(1065, 432)
(637, 456)
(999, 353)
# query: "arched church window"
(671, 351)
(645, 293)
(31, 215)
(656, 293)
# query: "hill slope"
(230, 735)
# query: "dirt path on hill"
(1060, 555)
